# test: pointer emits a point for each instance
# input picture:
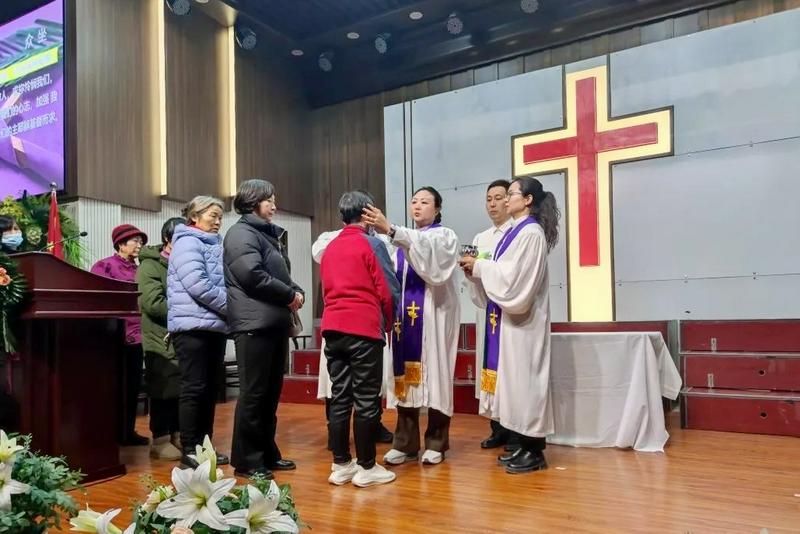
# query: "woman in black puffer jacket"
(261, 298)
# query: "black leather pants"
(355, 365)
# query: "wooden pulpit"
(70, 345)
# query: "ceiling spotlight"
(529, 6)
(297, 52)
(454, 24)
(179, 7)
(325, 61)
(245, 37)
(415, 15)
(201, 1)
(353, 35)
(382, 43)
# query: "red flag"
(54, 239)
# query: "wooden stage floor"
(705, 482)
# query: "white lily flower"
(197, 498)
(9, 487)
(8, 447)
(90, 521)
(206, 452)
(156, 497)
(263, 515)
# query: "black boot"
(492, 442)
(498, 437)
(513, 442)
(505, 459)
(526, 461)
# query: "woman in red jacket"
(128, 241)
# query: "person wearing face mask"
(12, 235)
(515, 379)
(261, 299)
(11, 242)
(485, 243)
(128, 241)
(425, 329)
(197, 309)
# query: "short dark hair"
(6, 223)
(169, 229)
(505, 184)
(352, 204)
(250, 194)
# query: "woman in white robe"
(515, 381)
(425, 334)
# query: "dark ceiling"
(424, 48)
(417, 49)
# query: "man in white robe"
(485, 243)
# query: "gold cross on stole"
(493, 320)
(412, 311)
(397, 327)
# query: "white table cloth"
(607, 389)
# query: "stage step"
(741, 336)
(467, 337)
(737, 370)
(305, 362)
(464, 400)
(300, 389)
(748, 411)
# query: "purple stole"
(407, 328)
(494, 316)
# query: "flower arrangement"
(33, 488)
(31, 213)
(203, 501)
(12, 291)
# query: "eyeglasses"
(137, 240)
(512, 193)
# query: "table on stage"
(607, 388)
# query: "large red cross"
(586, 145)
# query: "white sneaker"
(395, 457)
(343, 473)
(432, 457)
(370, 477)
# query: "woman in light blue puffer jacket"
(196, 318)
